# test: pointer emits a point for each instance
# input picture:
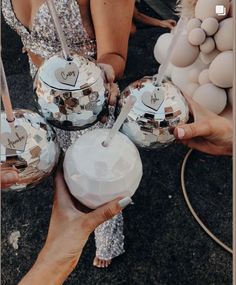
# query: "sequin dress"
(42, 40)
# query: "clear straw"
(120, 120)
(164, 65)
(5, 95)
(60, 33)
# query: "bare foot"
(101, 263)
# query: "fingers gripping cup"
(102, 165)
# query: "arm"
(68, 232)
(112, 23)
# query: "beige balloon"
(211, 97)
(224, 36)
(204, 77)
(207, 58)
(208, 46)
(184, 53)
(210, 26)
(221, 70)
(197, 36)
(193, 23)
(189, 89)
(194, 75)
(207, 8)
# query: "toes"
(101, 263)
(96, 262)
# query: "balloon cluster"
(202, 62)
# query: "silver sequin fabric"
(42, 40)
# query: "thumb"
(188, 131)
(106, 212)
(109, 72)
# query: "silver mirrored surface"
(40, 150)
(71, 93)
(157, 111)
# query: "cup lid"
(76, 73)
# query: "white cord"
(219, 242)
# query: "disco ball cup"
(96, 174)
(157, 111)
(71, 93)
(31, 148)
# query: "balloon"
(221, 70)
(211, 97)
(161, 47)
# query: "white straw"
(118, 123)
(5, 96)
(163, 67)
(60, 33)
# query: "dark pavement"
(164, 245)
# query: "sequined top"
(42, 40)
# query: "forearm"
(48, 271)
(116, 61)
(146, 20)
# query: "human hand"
(9, 176)
(109, 78)
(68, 232)
(170, 24)
(209, 133)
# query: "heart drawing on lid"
(68, 75)
(153, 99)
(15, 140)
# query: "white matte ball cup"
(96, 174)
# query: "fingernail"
(125, 202)
(10, 177)
(180, 133)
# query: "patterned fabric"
(109, 238)
(43, 41)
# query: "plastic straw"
(5, 96)
(164, 65)
(121, 118)
(60, 33)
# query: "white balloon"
(221, 70)
(180, 76)
(161, 47)
(211, 97)
(204, 77)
